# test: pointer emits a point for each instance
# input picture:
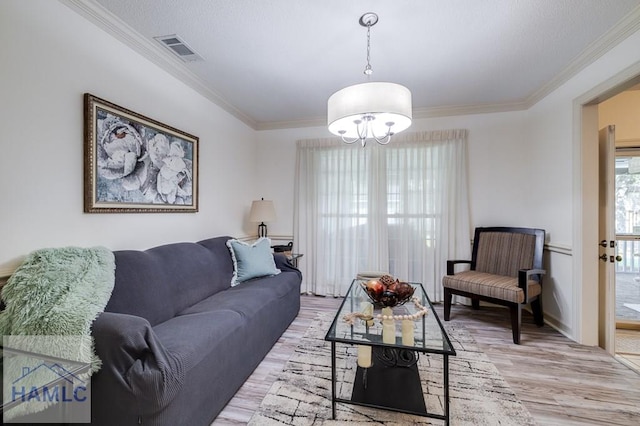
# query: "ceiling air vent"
(179, 48)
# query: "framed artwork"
(134, 164)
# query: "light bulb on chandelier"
(372, 110)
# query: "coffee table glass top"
(428, 334)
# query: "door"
(606, 234)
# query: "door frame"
(585, 203)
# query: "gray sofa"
(177, 341)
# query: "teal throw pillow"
(251, 260)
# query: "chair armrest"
(451, 264)
(523, 279)
(136, 361)
(283, 264)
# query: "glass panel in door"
(628, 237)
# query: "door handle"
(611, 258)
(604, 244)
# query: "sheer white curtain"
(401, 208)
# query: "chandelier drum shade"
(375, 108)
(371, 110)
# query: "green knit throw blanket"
(55, 292)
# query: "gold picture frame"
(134, 164)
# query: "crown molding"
(429, 112)
(292, 124)
(101, 17)
(447, 111)
(104, 19)
(623, 29)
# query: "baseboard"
(556, 324)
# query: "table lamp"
(262, 211)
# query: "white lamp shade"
(262, 211)
(387, 102)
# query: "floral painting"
(136, 164)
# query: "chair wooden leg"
(447, 304)
(475, 303)
(538, 315)
(516, 320)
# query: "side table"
(293, 259)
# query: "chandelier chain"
(367, 70)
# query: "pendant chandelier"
(371, 110)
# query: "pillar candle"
(407, 333)
(364, 356)
(388, 331)
(367, 309)
(388, 327)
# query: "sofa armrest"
(524, 275)
(283, 264)
(136, 361)
(452, 263)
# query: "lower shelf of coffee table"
(397, 388)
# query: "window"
(400, 208)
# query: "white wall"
(50, 56)
(567, 192)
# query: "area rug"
(302, 394)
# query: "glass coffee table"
(390, 352)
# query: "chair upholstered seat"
(491, 285)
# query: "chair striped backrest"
(504, 253)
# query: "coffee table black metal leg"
(446, 388)
(333, 380)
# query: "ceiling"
(274, 64)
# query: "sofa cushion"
(158, 283)
(490, 285)
(251, 260)
(191, 337)
(251, 296)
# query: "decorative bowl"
(387, 292)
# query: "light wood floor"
(559, 381)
